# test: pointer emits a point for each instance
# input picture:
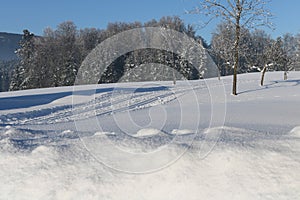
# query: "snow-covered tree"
(290, 51)
(54, 58)
(66, 34)
(6, 71)
(297, 52)
(259, 49)
(24, 71)
(281, 56)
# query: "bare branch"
(240, 13)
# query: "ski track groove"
(105, 104)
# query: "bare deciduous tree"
(240, 13)
(289, 49)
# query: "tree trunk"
(236, 50)
(263, 75)
(174, 78)
(236, 46)
(234, 90)
(174, 64)
(285, 76)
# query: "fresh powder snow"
(153, 140)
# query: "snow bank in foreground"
(243, 165)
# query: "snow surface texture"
(138, 128)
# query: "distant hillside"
(9, 42)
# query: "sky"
(36, 15)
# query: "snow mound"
(147, 132)
(295, 131)
(7, 127)
(182, 131)
(9, 130)
(103, 133)
(41, 150)
(6, 145)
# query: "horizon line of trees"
(258, 51)
(53, 59)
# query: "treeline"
(54, 59)
(6, 72)
(257, 50)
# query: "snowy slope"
(153, 140)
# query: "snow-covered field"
(153, 141)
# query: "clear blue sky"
(36, 15)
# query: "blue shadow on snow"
(25, 101)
